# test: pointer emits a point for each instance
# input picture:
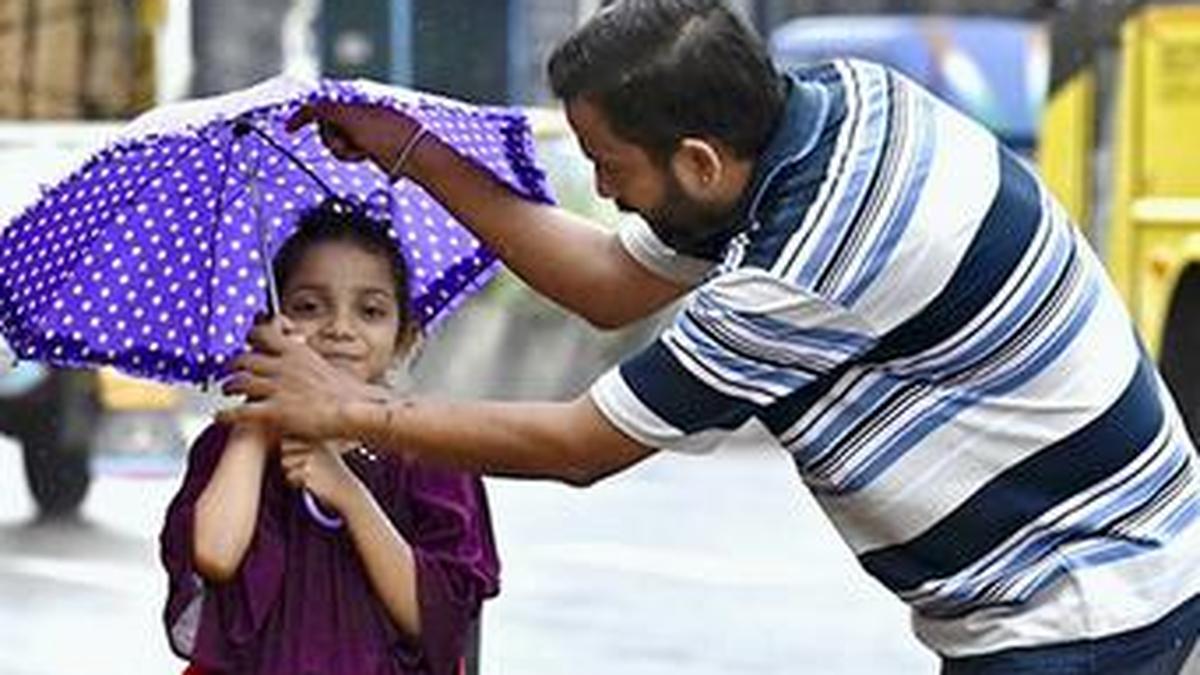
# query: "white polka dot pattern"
(149, 257)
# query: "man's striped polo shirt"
(912, 314)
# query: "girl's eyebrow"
(373, 290)
(316, 288)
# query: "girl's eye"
(374, 313)
(303, 308)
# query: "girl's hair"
(332, 221)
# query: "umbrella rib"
(147, 180)
(218, 212)
(242, 127)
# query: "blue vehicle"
(994, 69)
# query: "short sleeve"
(743, 342)
(640, 242)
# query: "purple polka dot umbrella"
(153, 257)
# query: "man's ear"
(699, 168)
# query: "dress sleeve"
(456, 562)
(206, 623)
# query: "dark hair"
(334, 221)
(661, 70)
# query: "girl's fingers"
(295, 479)
(291, 462)
(293, 446)
(295, 469)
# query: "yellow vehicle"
(1119, 144)
(123, 393)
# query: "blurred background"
(710, 565)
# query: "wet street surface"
(699, 565)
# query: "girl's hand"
(318, 468)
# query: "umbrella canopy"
(153, 256)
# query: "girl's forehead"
(334, 261)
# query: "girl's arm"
(226, 512)
(385, 555)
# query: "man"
(894, 295)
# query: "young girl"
(259, 585)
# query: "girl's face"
(342, 301)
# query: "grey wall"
(236, 43)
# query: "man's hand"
(291, 388)
(354, 132)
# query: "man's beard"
(688, 226)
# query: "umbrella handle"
(318, 514)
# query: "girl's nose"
(340, 325)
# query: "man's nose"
(604, 187)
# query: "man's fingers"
(253, 387)
(303, 116)
(339, 144)
(313, 112)
(289, 329)
(257, 364)
(269, 338)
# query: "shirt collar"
(805, 110)
(806, 105)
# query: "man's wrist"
(348, 419)
(365, 420)
(401, 131)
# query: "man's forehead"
(590, 124)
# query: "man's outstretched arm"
(569, 442)
(568, 258)
(296, 392)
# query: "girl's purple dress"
(302, 603)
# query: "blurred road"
(715, 565)
(83, 596)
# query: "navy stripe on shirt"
(998, 247)
(790, 197)
(883, 171)
(672, 393)
(1000, 243)
(1025, 491)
